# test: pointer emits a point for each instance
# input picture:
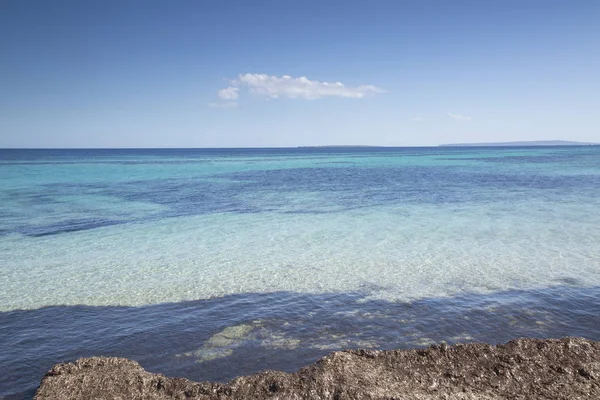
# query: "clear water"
(231, 261)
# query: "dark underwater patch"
(68, 226)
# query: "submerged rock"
(567, 368)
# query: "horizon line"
(548, 143)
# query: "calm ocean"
(211, 263)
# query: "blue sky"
(288, 73)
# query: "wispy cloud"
(459, 117)
(230, 93)
(301, 88)
(224, 104)
(274, 87)
(417, 119)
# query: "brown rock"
(568, 368)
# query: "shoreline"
(522, 368)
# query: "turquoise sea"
(211, 263)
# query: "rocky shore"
(567, 368)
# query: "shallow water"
(220, 338)
(213, 263)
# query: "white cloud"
(230, 93)
(274, 87)
(297, 88)
(225, 104)
(459, 117)
(417, 119)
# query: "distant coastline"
(482, 144)
(524, 143)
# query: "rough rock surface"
(567, 368)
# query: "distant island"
(532, 143)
